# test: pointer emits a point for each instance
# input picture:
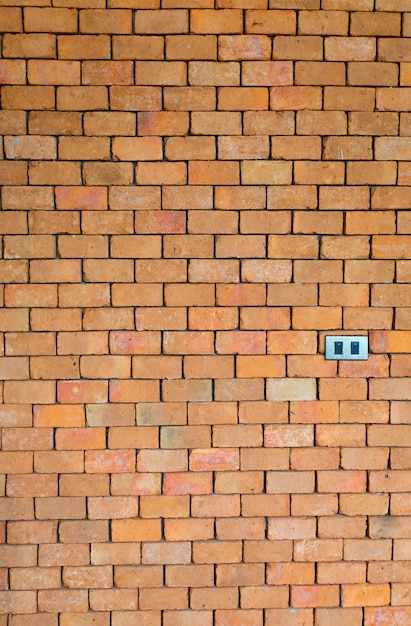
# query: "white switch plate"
(346, 348)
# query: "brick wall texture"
(193, 196)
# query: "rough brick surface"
(194, 194)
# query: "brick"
(384, 172)
(85, 148)
(321, 122)
(320, 73)
(39, 198)
(191, 47)
(391, 99)
(53, 72)
(112, 599)
(298, 48)
(243, 98)
(83, 295)
(134, 99)
(105, 21)
(136, 47)
(346, 389)
(84, 47)
(295, 98)
(58, 20)
(72, 484)
(22, 601)
(244, 47)
(189, 148)
(369, 73)
(373, 123)
(320, 173)
(393, 50)
(109, 123)
(270, 22)
(191, 197)
(33, 45)
(268, 122)
(11, 18)
(59, 122)
(386, 615)
(370, 504)
(316, 596)
(58, 173)
(12, 72)
(213, 73)
(323, 22)
(349, 98)
(365, 595)
(290, 528)
(266, 73)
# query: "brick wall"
(193, 197)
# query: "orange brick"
(191, 197)
(11, 18)
(109, 123)
(244, 47)
(214, 123)
(319, 595)
(25, 46)
(345, 389)
(320, 73)
(365, 595)
(56, 173)
(213, 73)
(191, 47)
(12, 72)
(211, 222)
(107, 73)
(134, 99)
(320, 173)
(210, 173)
(189, 148)
(136, 47)
(323, 22)
(53, 72)
(243, 98)
(13, 173)
(386, 615)
(105, 21)
(189, 98)
(323, 122)
(300, 47)
(344, 295)
(81, 391)
(266, 73)
(268, 122)
(64, 123)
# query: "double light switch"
(346, 348)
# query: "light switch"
(346, 348)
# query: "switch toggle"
(355, 347)
(346, 348)
(338, 347)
